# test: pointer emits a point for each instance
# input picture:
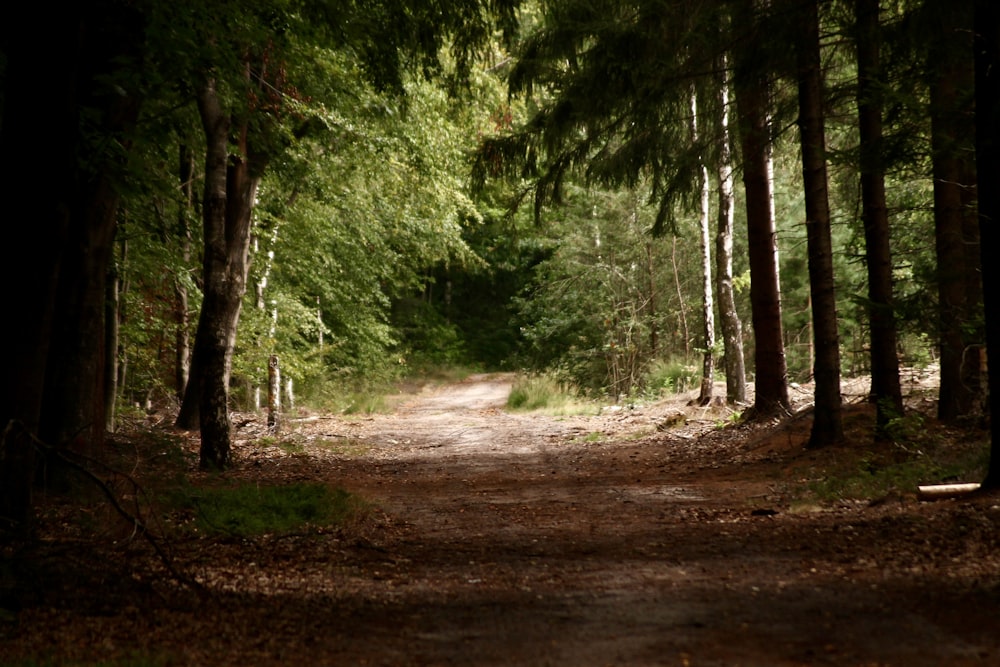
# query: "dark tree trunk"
(956, 230)
(771, 375)
(73, 411)
(827, 425)
(29, 86)
(230, 188)
(66, 242)
(987, 68)
(729, 319)
(112, 304)
(885, 389)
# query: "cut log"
(938, 491)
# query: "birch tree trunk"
(729, 319)
(182, 361)
(707, 305)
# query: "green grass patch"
(543, 393)
(247, 510)
(897, 468)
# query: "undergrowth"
(543, 393)
(249, 509)
(918, 453)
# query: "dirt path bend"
(633, 538)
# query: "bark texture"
(827, 425)
(886, 392)
(951, 69)
(752, 102)
(987, 68)
(230, 190)
(729, 319)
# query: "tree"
(827, 425)
(950, 70)
(752, 97)
(231, 182)
(707, 307)
(987, 77)
(885, 389)
(732, 328)
(81, 146)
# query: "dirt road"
(629, 538)
(617, 540)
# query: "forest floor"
(661, 534)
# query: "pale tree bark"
(681, 307)
(886, 392)
(707, 304)
(182, 359)
(729, 319)
(752, 101)
(827, 425)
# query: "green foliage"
(248, 509)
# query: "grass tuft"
(544, 393)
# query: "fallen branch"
(940, 491)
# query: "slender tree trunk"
(987, 68)
(885, 389)
(654, 330)
(961, 335)
(729, 319)
(681, 309)
(182, 361)
(771, 383)
(827, 425)
(111, 316)
(707, 304)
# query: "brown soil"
(644, 536)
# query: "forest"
(285, 206)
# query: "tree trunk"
(230, 190)
(987, 68)
(72, 212)
(111, 310)
(827, 425)
(31, 85)
(707, 305)
(182, 360)
(681, 309)
(771, 383)
(956, 232)
(885, 389)
(729, 319)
